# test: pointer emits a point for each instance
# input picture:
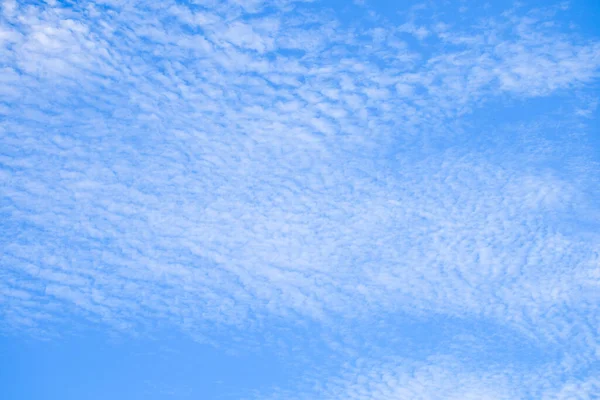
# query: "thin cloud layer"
(220, 165)
(441, 377)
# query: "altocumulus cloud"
(229, 164)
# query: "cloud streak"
(224, 164)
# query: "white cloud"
(439, 378)
(219, 168)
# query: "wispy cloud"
(440, 377)
(223, 163)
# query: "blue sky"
(280, 199)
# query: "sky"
(295, 199)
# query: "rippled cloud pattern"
(392, 201)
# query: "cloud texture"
(218, 166)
